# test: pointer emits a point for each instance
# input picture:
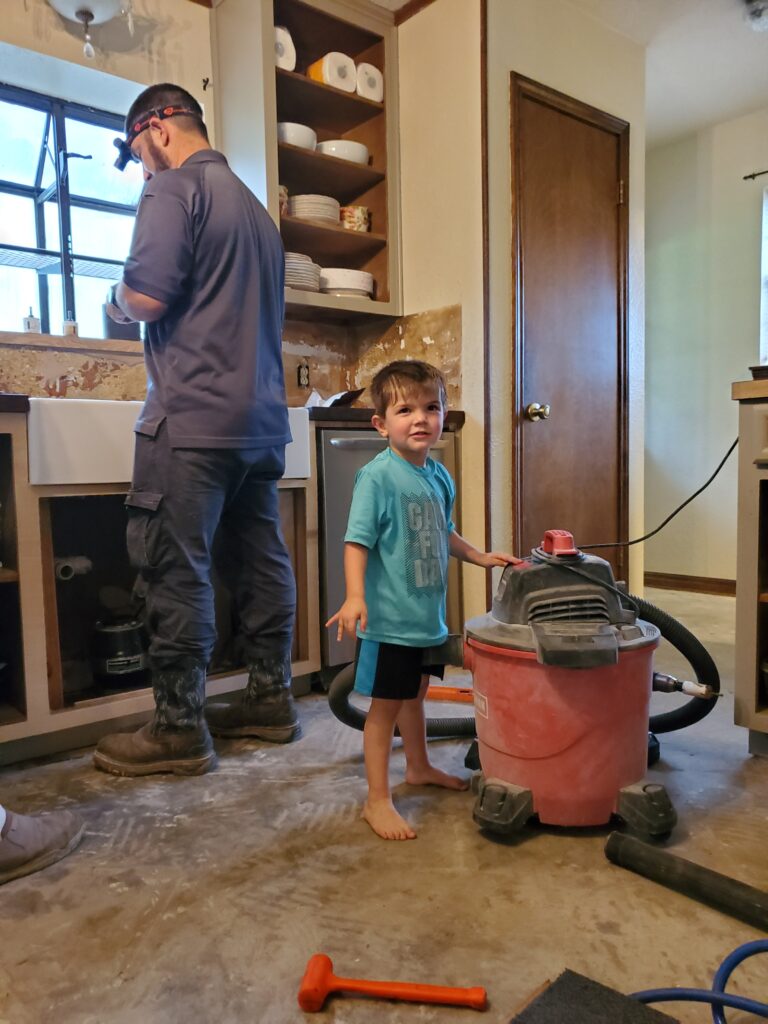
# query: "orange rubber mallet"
(319, 982)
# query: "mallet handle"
(474, 998)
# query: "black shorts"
(391, 671)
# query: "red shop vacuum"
(562, 671)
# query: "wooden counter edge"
(744, 390)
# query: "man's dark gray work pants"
(180, 498)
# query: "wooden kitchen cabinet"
(12, 689)
(47, 698)
(751, 685)
(252, 95)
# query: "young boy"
(397, 544)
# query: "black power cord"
(670, 517)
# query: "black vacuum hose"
(700, 661)
(338, 699)
(686, 643)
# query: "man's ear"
(161, 127)
(378, 422)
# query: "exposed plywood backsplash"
(434, 336)
(339, 358)
(36, 365)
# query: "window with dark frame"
(66, 214)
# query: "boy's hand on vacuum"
(347, 617)
(489, 559)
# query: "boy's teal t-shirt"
(402, 514)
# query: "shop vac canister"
(563, 673)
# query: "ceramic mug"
(356, 218)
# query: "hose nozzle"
(664, 683)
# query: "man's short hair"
(404, 377)
(167, 95)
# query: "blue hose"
(716, 996)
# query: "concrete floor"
(200, 900)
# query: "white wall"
(559, 46)
(441, 186)
(171, 43)
(703, 331)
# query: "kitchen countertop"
(13, 403)
(746, 390)
(344, 414)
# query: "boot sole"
(44, 860)
(270, 733)
(183, 766)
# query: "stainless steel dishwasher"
(341, 453)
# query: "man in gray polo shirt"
(205, 272)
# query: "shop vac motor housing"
(562, 674)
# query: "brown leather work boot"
(31, 843)
(177, 739)
(266, 710)
(146, 752)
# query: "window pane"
(49, 164)
(51, 215)
(55, 303)
(90, 293)
(95, 233)
(21, 129)
(17, 221)
(18, 291)
(98, 178)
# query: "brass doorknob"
(535, 411)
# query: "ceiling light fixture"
(756, 15)
(93, 12)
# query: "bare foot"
(431, 776)
(385, 821)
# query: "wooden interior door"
(569, 190)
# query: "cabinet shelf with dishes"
(318, 28)
(254, 95)
(329, 175)
(330, 243)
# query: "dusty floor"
(200, 900)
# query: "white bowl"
(332, 278)
(344, 149)
(296, 134)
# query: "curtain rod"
(753, 175)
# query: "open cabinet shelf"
(329, 243)
(330, 176)
(254, 96)
(319, 27)
(304, 100)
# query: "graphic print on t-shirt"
(426, 550)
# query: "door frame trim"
(522, 87)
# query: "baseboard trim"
(693, 584)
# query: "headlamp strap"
(161, 113)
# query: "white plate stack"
(343, 282)
(312, 207)
(301, 272)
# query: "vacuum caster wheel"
(647, 810)
(500, 807)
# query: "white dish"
(341, 277)
(344, 149)
(296, 134)
(351, 293)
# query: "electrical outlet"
(302, 375)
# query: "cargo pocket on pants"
(143, 529)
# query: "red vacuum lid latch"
(559, 542)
